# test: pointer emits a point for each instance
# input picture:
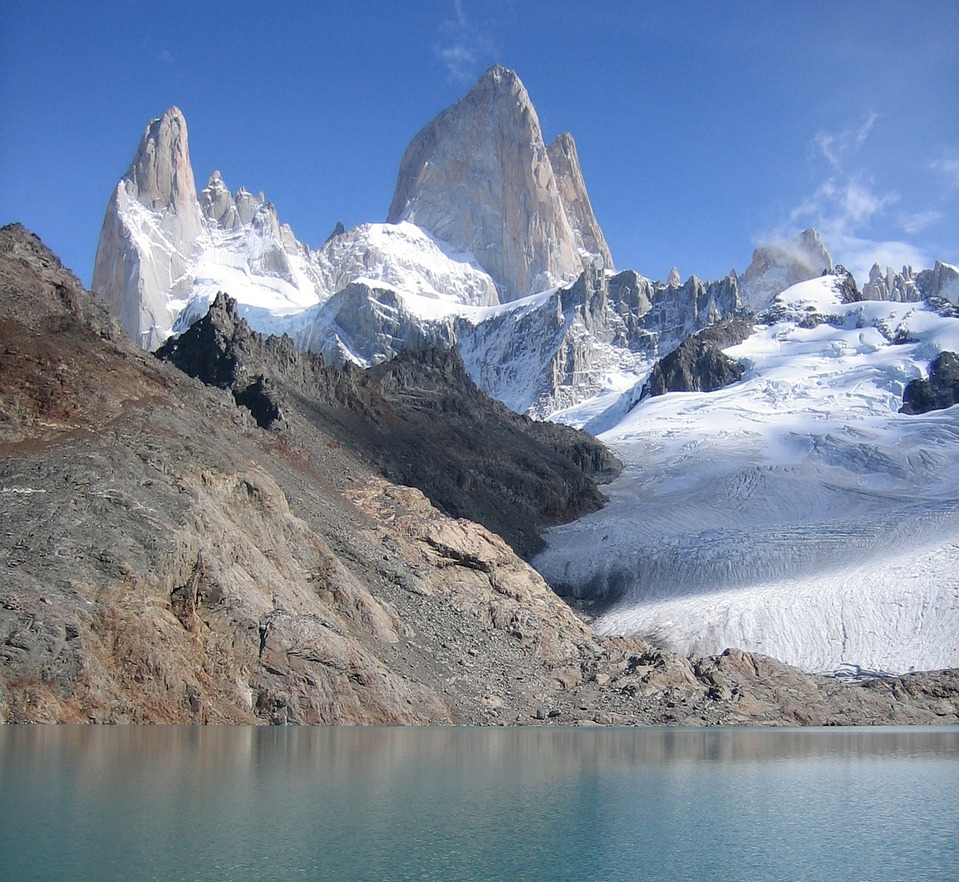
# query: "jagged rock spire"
(160, 176)
(776, 267)
(479, 177)
(138, 285)
(572, 190)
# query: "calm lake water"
(182, 803)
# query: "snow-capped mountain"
(368, 293)
(480, 177)
(795, 513)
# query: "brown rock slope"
(166, 559)
(419, 420)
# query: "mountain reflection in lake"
(174, 803)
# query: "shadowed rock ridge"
(940, 391)
(699, 364)
(418, 419)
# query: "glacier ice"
(795, 513)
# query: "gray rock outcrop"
(156, 200)
(891, 285)
(939, 283)
(699, 364)
(942, 282)
(774, 268)
(940, 391)
(479, 177)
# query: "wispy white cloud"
(465, 46)
(843, 204)
(843, 211)
(836, 147)
(849, 209)
(918, 221)
(948, 165)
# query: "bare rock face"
(156, 199)
(479, 177)
(775, 268)
(891, 285)
(572, 189)
(942, 281)
(699, 364)
(218, 205)
(940, 391)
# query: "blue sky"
(703, 129)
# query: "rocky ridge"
(167, 559)
(939, 283)
(938, 392)
(699, 364)
(418, 420)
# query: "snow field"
(795, 513)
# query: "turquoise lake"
(218, 803)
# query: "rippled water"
(180, 803)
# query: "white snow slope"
(795, 513)
(399, 256)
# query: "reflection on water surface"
(170, 803)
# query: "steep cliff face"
(506, 207)
(479, 177)
(943, 282)
(572, 190)
(151, 232)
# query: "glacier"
(795, 513)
